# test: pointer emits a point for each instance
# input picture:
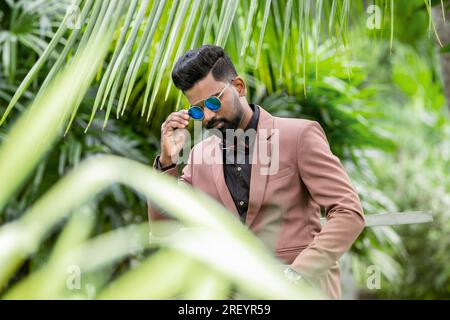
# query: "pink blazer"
(284, 206)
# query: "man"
(279, 200)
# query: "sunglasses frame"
(201, 105)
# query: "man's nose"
(208, 115)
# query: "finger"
(177, 120)
(179, 117)
(171, 125)
(185, 114)
(182, 114)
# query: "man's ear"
(240, 86)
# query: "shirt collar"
(253, 123)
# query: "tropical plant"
(416, 175)
(298, 60)
(36, 130)
(151, 27)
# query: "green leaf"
(446, 49)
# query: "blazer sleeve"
(330, 187)
(155, 213)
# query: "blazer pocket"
(280, 174)
(288, 255)
(291, 249)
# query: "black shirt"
(237, 166)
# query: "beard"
(228, 124)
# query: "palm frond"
(145, 53)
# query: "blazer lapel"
(261, 161)
(219, 178)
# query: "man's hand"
(292, 276)
(173, 137)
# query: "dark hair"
(195, 64)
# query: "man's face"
(230, 115)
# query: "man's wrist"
(291, 275)
(164, 161)
(163, 165)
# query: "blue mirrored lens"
(195, 113)
(213, 103)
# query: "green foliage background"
(378, 95)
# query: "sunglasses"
(213, 103)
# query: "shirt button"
(241, 203)
(238, 168)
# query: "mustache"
(212, 123)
